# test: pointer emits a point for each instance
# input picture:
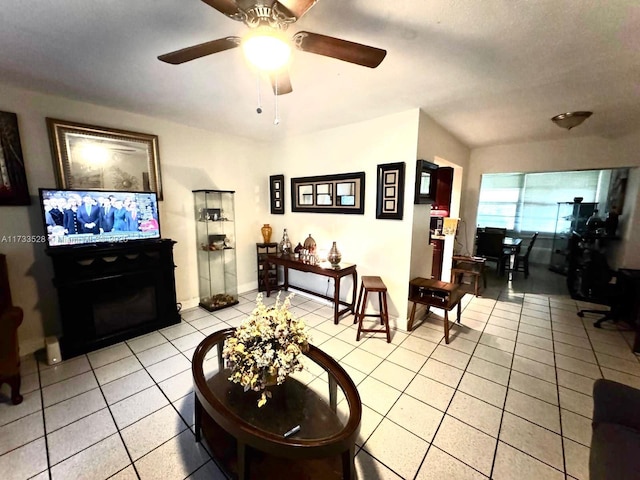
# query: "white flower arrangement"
(266, 347)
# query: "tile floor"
(509, 397)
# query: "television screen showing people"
(75, 217)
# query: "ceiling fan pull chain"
(276, 118)
(259, 109)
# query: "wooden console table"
(434, 293)
(324, 269)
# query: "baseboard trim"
(32, 345)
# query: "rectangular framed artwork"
(90, 157)
(13, 177)
(390, 191)
(340, 193)
(276, 189)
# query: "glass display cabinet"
(571, 217)
(216, 237)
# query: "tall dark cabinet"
(444, 185)
(438, 257)
(440, 208)
(571, 217)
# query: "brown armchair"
(10, 320)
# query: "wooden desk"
(434, 293)
(325, 269)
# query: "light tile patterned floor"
(508, 398)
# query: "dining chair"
(522, 261)
(489, 245)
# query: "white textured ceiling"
(491, 71)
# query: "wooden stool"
(372, 285)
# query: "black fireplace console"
(108, 294)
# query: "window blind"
(528, 202)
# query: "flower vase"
(334, 256)
(266, 231)
(271, 380)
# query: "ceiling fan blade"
(228, 7)
(202, 50)
(297, 8)
(283, 82)
(341, 49)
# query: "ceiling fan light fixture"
(570, 119)
(266, 49)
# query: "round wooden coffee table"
(248, 442)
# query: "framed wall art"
(13, 177)
(276, 189)
(340, 193)
(90, 157)
(390, 191)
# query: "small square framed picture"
(390, 192)
(276, 190)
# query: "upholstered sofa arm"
(616, 403)
(10, 319)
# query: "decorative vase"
(334, 256)
(310, 244)
(285, 244)
(266, 232)
(271, 380)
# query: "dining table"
(511, 247)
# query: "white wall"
(190, 159)
(572, 153)
(197, 159)
(437, 145)
(194, 159)
(378, 247)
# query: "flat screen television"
(76, 218)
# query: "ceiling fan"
(269, 18)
